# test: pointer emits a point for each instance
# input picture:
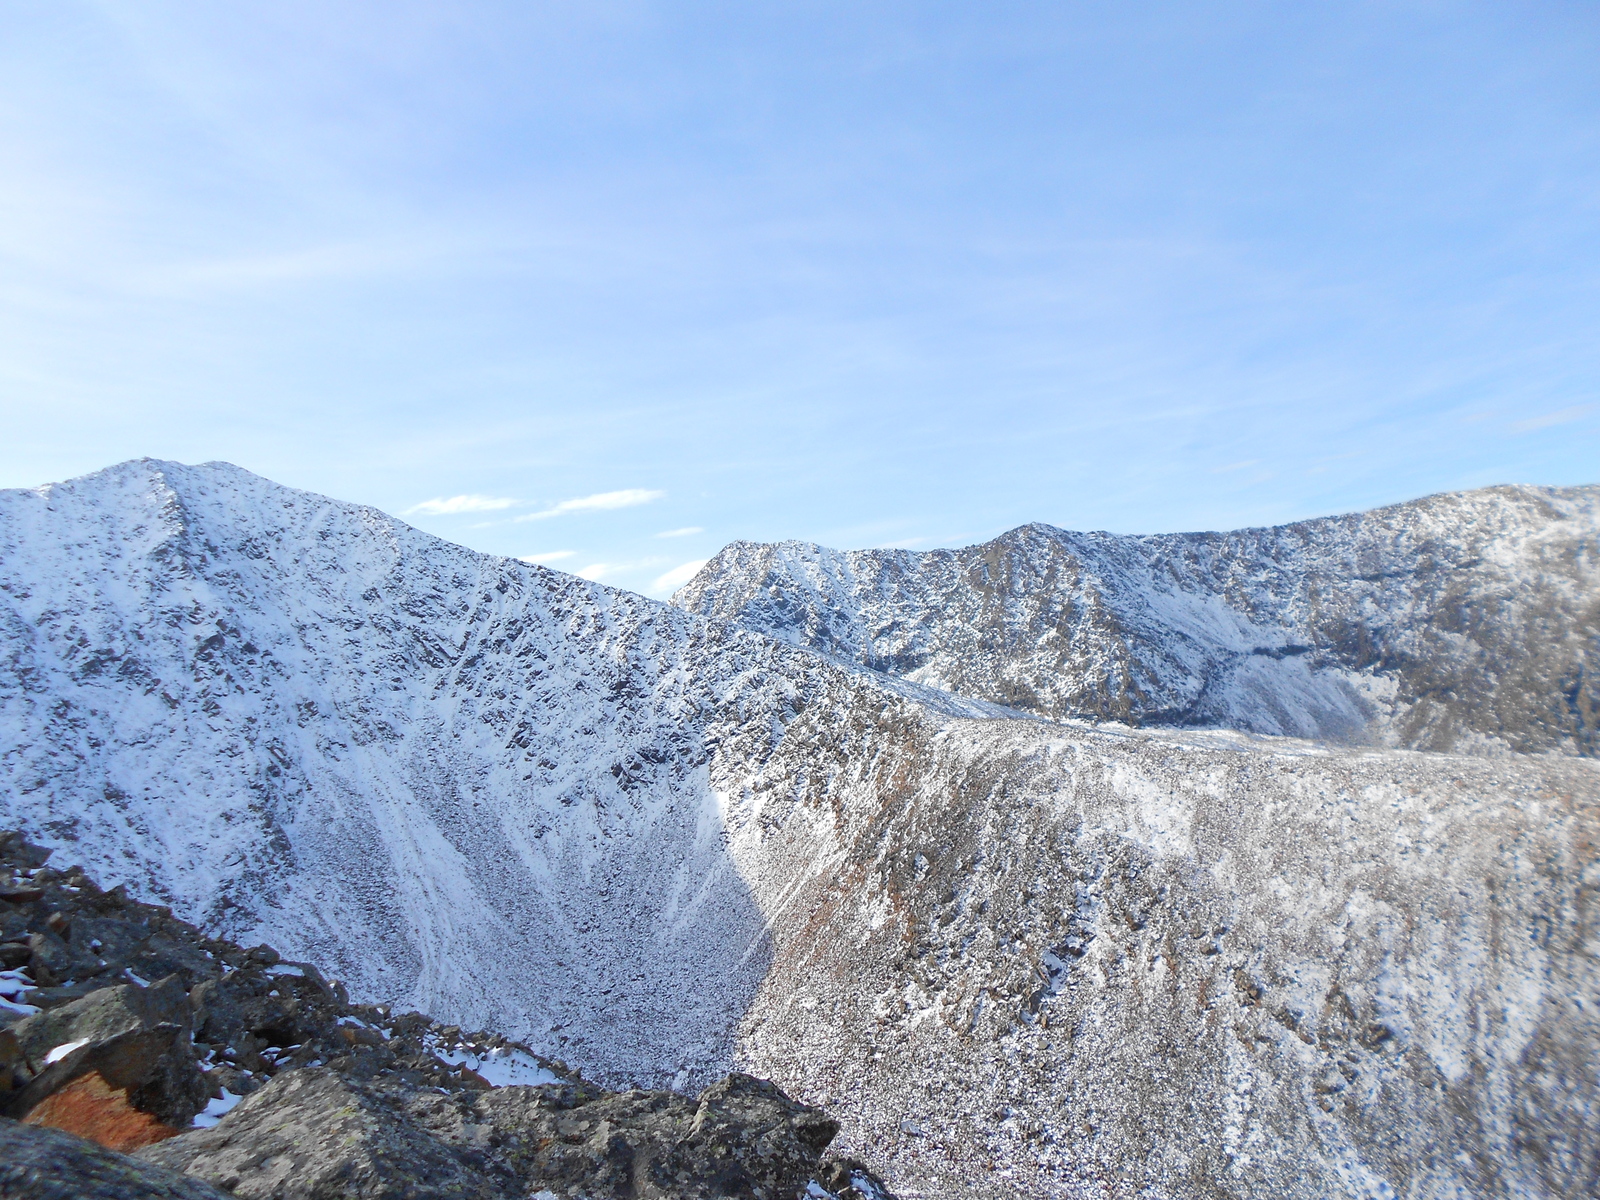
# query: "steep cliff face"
(1467, 622)
(1015, 956)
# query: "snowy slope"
(462, 782)
(1017, 957)
(1466, 622)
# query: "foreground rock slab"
(47, 1164)
(117, 1066)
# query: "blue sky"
(865, 274)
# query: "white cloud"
(595, 572)
(548, 556)
(441, 506)
(626, 498)
(684, 532)
(1565, 417)
(678, 576)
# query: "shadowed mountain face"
(1467, 622)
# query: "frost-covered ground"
(1466, 622)
(1015, 956)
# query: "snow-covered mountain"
(467, 783)
(1017, 957)
(1466, 622)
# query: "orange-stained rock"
(93, 1109)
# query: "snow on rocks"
(1023, 959)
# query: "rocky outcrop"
(315, 1132)
(337, 1099)
(1467, 622)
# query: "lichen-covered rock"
(314, 1133)
(47, 1164)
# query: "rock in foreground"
(337, 1099)
(47, 1164)
(315, 1133)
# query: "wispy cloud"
(547, 557)
(1565, 416)
(1238, 466)
(678, 576)
(605, 570)
(600, 501)
(684, 532)
(442, 506)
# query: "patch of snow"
(61, 1051)
(502, 1067)
(216, 1109)
(14, 982)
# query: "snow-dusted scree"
(1465, 622)
(1015, 957)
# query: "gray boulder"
(136, 1040)
(46, 1164)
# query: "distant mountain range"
(1466, 623)
(839, 819)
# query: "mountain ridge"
(1457, 621)
(1016, 957)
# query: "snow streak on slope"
(1466, 622)
(466, 783)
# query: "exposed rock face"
(1467, 622)
(1014, 957)
(314, 1133)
